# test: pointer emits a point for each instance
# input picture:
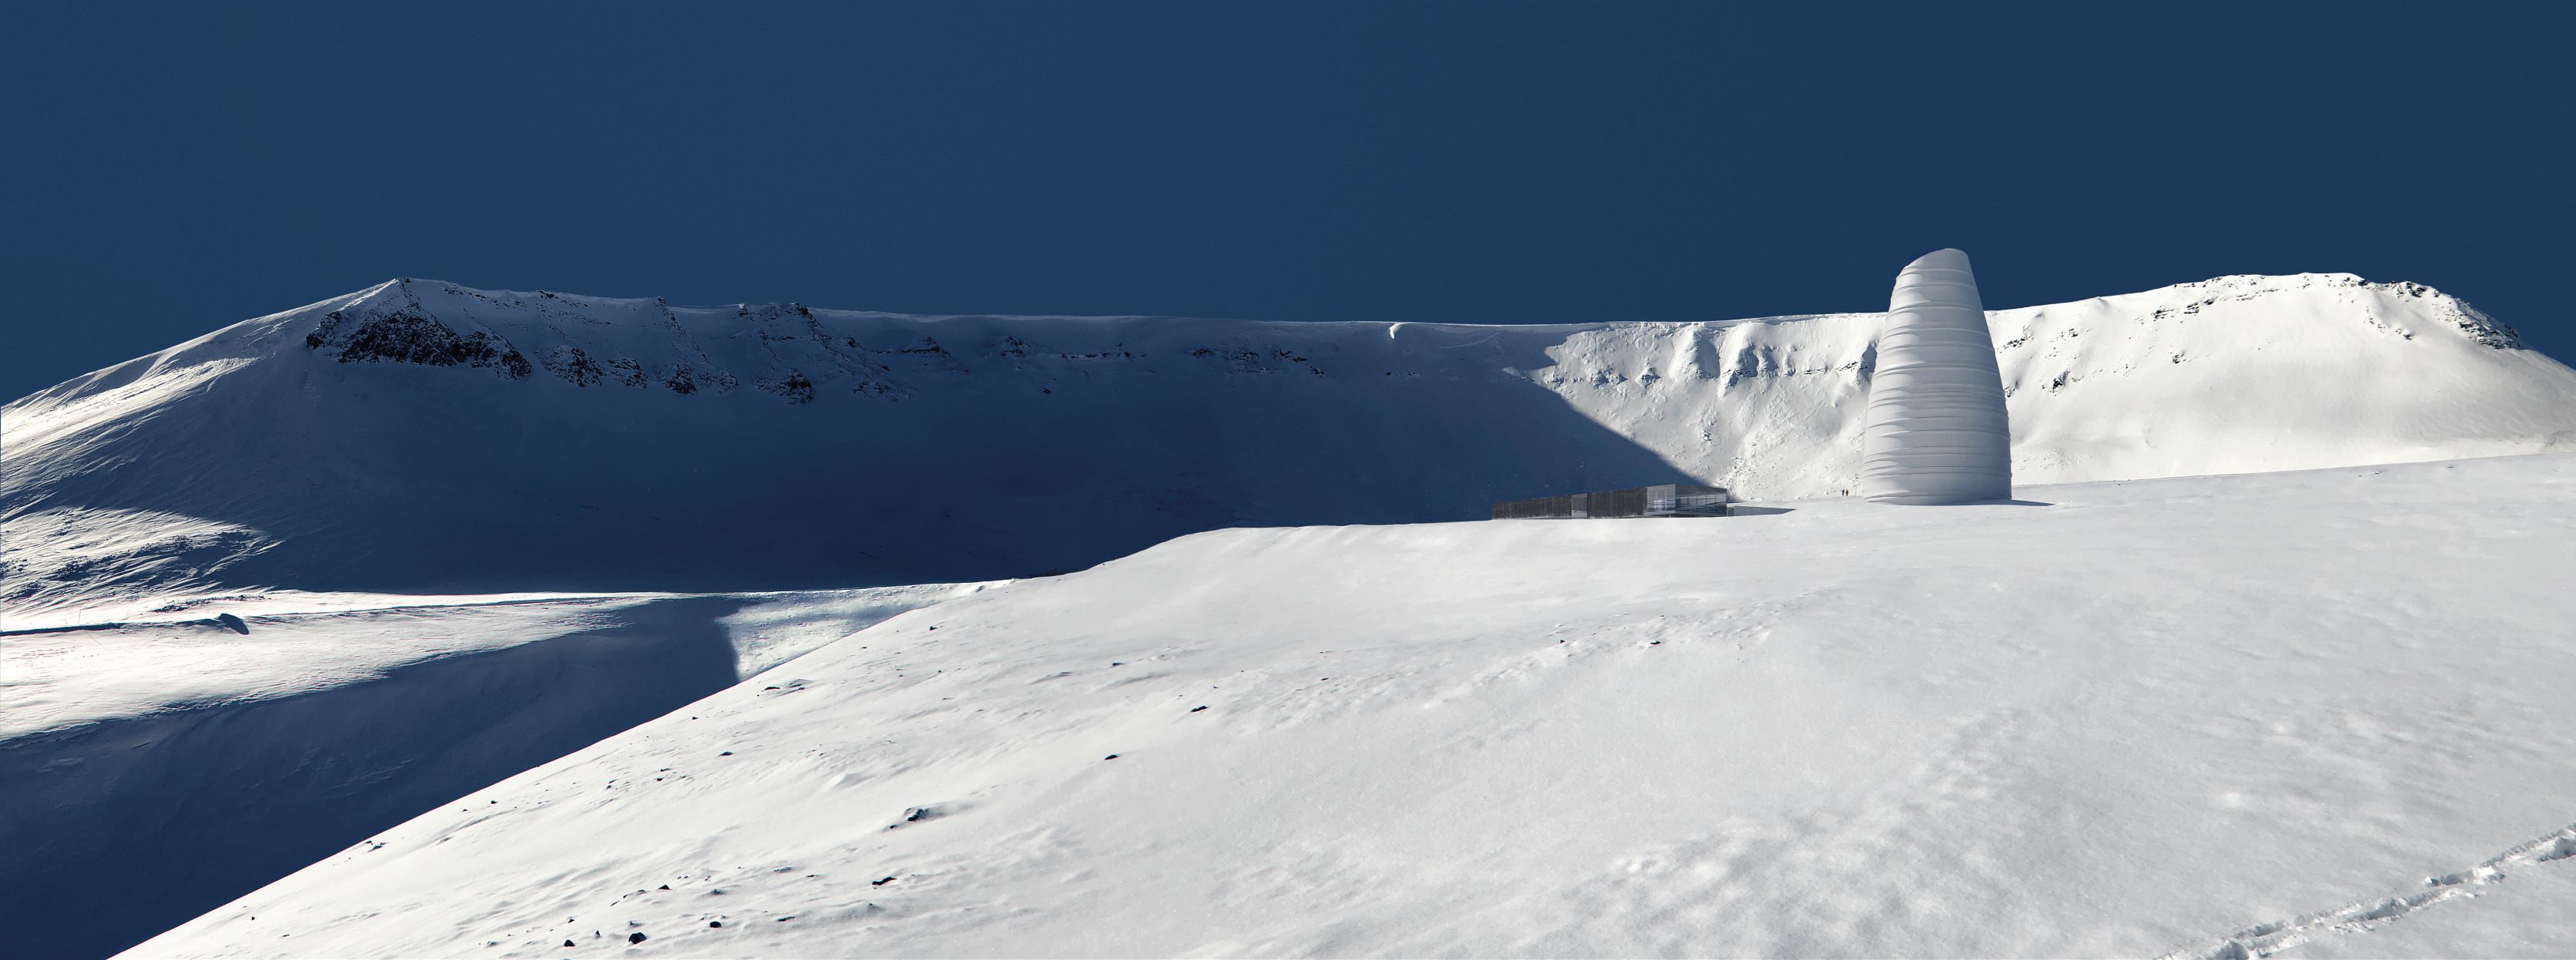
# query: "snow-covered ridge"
(647, 343)
(421, 436)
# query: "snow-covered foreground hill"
(2321, 711)
(151, 771)
(420, 437)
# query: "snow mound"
(2204, 716)
(422, 437)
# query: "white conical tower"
(1935, 431)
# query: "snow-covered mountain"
(2207, 717)
(424, 437)
(197, 544)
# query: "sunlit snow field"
(2323, 712)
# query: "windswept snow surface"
(2217, 716)
(421, 437)
(267, 646)
(150, 771)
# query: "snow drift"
(422, 437)
(2207, 716)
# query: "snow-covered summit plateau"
(423, 437)
(2217, 717)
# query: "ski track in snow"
(2364, 916)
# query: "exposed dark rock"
(627, 371)
(794, 386)
(925, 345)
(574, 365)
(409, 335)
(2487, 331)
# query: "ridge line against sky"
(182, 168)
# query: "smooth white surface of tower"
(1936, 431)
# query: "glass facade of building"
(1660, 500)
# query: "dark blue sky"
(171, 169)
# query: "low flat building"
(1660, 500)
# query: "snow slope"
(2216, 716)
(420, 437)
(151, 771)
